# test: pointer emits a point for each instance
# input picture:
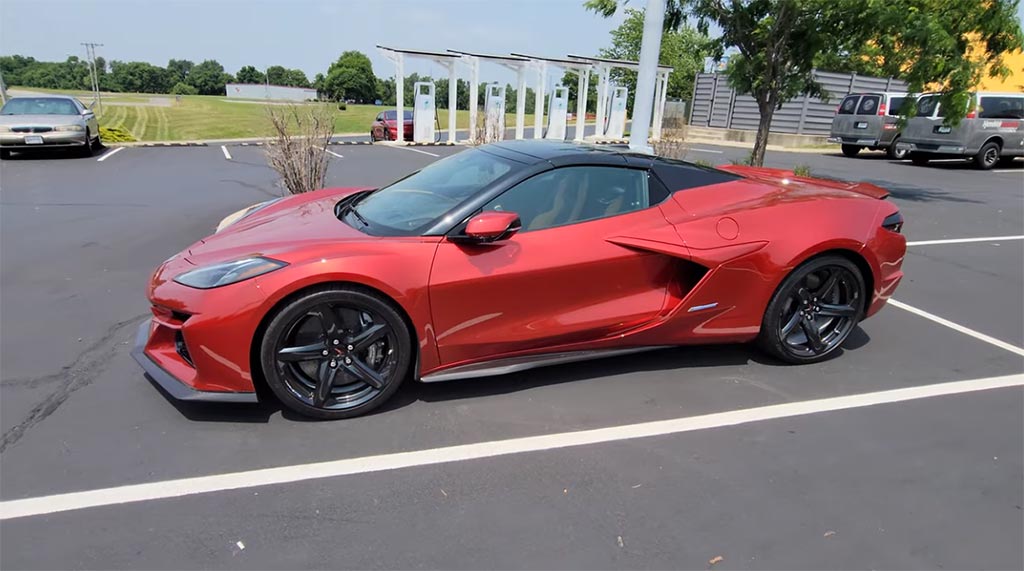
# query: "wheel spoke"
(302, 353)
(829, 285)
(830, 310)
(368, 337)
(810, 328)
(791, 324)
(364, 373)
(324, 382)
(328, 319)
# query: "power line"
(90, 52)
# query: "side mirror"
(490, 226)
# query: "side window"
(574, 194)
(896, 105)
(1004, 107)
(927, 105)
(868, 105)
(849, 105)
(380, 117)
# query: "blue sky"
(307, 34)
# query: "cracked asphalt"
(923, 484)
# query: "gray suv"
(869, 120)
(992, 132)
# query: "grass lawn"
(214, 117)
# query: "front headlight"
(69, 128)
(229, 272)
(236, 216)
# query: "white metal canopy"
(604, 67)
(581, 68)
(443, 59)
(516, 64)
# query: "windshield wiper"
(355, 212)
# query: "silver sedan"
(47, 121)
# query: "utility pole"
(90, 54)
(646, 77)
(3, 89)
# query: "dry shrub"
(671, 145)
(483, 134)
(297, 148)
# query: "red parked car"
(385, 127)
(510, 256)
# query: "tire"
(895, 154)
(988, 156)
(387, 134)
(358, 379)
(824, 294)
(919, 159)
(373, 138)
(86, 150)
(850, 150)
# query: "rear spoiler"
(781, 176)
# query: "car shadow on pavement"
(670, 359)
(918, 194)
(50, 154)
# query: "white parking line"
(412, 149)
(707, 151)
(227, 155)
(298, 473)
(330, 152)
(965, 240)
(957, 327)
(110, 154)
(1007, 170)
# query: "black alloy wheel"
(814, 310)
(335, 353)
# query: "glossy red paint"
(492, 225)
(698, 268)
(387, 129)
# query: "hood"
(44, 120)
(281, 229)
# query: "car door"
(843, 122)
(558, 280)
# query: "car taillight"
(972, 114)
(881, 108)
(893, 223)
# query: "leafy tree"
(139, 77)
(249, 74)
(277, 75)
(209, 78)
(296, 78)
(351, 77)
(179, 69)
(182, 88)
(571, 80)
(318, 82)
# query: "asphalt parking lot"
(903, 452)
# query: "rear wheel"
(894, 153)
(988, 156)
(813, 311)
(335, 353)
(919, 159)
(850, 150)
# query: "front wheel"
(335, 353)
(850, 150)
(86, 150)
(813, 311)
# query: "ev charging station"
(556, 114)
(604, 67)
(445, 60)
(581, 69)
(617, 114)
(494, 112)
(424, 114)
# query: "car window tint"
(680, 175)
(896, 105)
(574, 194)
(1001, 107)
(849, 105)
(868, 105)
(926, 105)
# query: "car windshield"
(390, 115)
(414, 203)
(39, 106)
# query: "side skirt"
(522, 363)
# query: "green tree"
(182, 88)
(209, 78)
(296, 78)
(140, 77)
(277, 75)
(179, 69)
(351, 76)
(318, 82)
(249, 74)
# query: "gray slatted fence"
(715, 104)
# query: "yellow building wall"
(1015, 82)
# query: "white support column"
(656, 111)
(602, 96)
(661, 103)
(520, 102)
(582, 86)
(474, 86)
(654, 17)
(400, 97)
(453, 99)
(538, 107)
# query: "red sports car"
(384, 127)
(511, 256)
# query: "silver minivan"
(992, 132)
(869, 120)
